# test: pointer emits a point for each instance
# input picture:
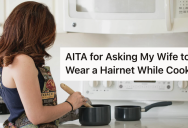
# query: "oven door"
(124, 16)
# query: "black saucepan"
(133, 113)
(95, 115)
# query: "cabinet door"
(2, 16)
(11, 4)
(59, 17)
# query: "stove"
(136, 90)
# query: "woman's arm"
(25, 76)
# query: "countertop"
(143, 123)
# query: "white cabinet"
(59, 15)
(55, 6)
(2, 15)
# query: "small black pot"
(96, 116)
(133, 113)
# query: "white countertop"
(2, 119)
(143, 123)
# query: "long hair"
(29, 29)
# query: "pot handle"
(158, 104)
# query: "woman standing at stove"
(27, 32)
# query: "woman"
(28, 31)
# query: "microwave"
(126, 16)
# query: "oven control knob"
(182, 84)
(107, 83)
(93, 83)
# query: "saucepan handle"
(158, 104)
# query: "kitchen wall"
(179, 109)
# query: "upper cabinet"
(2, 16)
(59, 13)
(55, 7)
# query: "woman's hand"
(77, 100)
